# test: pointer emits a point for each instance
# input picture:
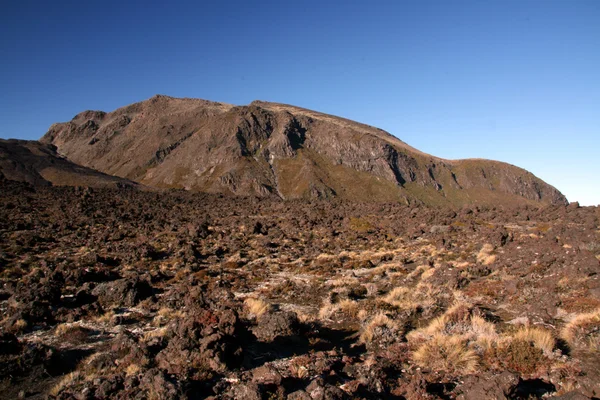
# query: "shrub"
(520, 356)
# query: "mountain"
(39, 164)
(271, 149)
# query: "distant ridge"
(271, 149)
(39, 164)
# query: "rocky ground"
(118, 293)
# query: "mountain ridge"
(40, 165)
(275, 149)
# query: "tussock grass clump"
(347, 308)
(461, 340)
(380, 328)
(583, 331)
(66, 381)
(538, 337)
(155, 333)
(424, 296)
(485, 255)
(72, 332)
(449, 354)
(427, 273)
(132, 369)
(257, 307)
(417, 272)
(106, 317)
(458, 321)
(400, 297)
(453, 342)
(19, 326)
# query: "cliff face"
(39, 164)
(270, 149)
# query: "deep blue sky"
(517, 81)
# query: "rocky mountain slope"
(270, 149)
(39, 164)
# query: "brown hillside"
(39, 164)
(270, 149)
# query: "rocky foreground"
(117, 293)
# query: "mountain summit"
(271, 149)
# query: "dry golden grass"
(541, 338)
(428, 273)
(399, 297)
(66, 380)
(424, 296)
(376, 324)
(72, 332)
(298, 368)
(348, 308)
(20, 325)
(132, 369)
(65, 328)
(155, 333)
(324, 257)
(583, 331)
(449, 354)
(485, 255)
(417, 271)
(166, 314)
(362, 315)
(106, 317)
(343, 281)
(458, 322)
(257, 307)
(305, 317)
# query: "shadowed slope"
(39, 164)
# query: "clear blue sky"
(517, 81)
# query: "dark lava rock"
(202, 344)
(299, 395)
(156, 382)
(266, 375)
(247, 391)
(109, 386)
(279, 324)
(485, 387)
(319, 390)
(123, 292)
(9, 344)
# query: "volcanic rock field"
(138, 294)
